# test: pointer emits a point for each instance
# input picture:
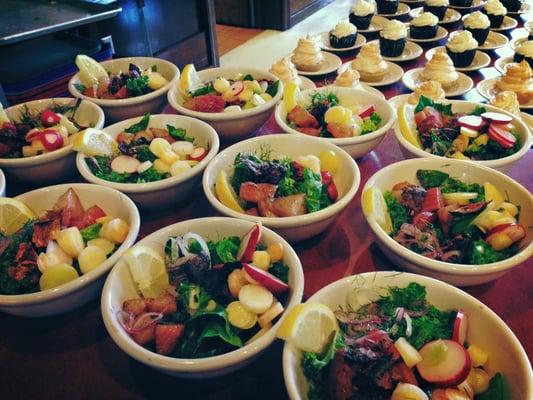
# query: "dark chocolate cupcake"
(512, 5)
(392, 39)
(478, 24)
(524, 51)
(495, 10)
(461, 48)
(387, 6)
(361, 14)
(461, 3)
(436, 7)
(343, 35)
(424, 26)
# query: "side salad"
(241, 92)
(265, 186)
(204, 297)
(40, 253)
(398, 347)
(324, 115)
(477, 135)
(446, 219)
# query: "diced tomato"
(92, 214)
(333, 193)
(206, 103)
(134, 306)
(302, 118)
(423, 218)
(167, 337)
(122, 93)
(90, 92)
(326, 178)
(433, 200)
(309, 131)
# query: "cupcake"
(518, 78)
(348, 78)
(285, 70)
(461, 48)
(512, 5)
(440, 68)
(430, 89)
(529, 28)
(307, 55)
(507, 101)
(369, 63)
(461, 3)
(524, 51)
(436, 7)
(343, 35)
(387, 6)
(392, 38)
(361, 14)
(496, 12)
(424, 26)
(478, 25)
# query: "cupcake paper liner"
(512, 5)
(423, 32)
(387, 7)
(438, 11)
(342, 42)
(462, 59)
(461, 3)
(495, 20)
(361, 22)
(479, 34)
(520, 57)
(391, 48)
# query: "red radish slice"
(325, 177)
(249, 243)
(515, 232)
(474, 122)
(445, 363)
(50, 118)
(460, 327)
(234, 90)
(497, 118)
(198, 154)
(32, 135)
(367, 111)
(266, 279)
(255, 298)
(333, 193)
(503, 137)
(51, 139)
(125, 164)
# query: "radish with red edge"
(333, 193)
(266, 279)
(445, 363)
(32, 135)
(234, 90)
(515, 232)
(249, 243)
(496, 118)
(460, 327)
(503, 137)
(51, 139)
(473, 122)
(367, 111)
(325, 177)
(433, 200)
(50, 118)
(198, 154)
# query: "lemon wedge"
(406, 123)
(147, 268)
(374, 205)
(13, 215)
(309, 327)
(91, 71)
(225, 192)
(492, 193)
(189, 80)
(291, 95)
(95, 142)
(3, 115)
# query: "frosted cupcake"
(518, 78)
(361, 13)
(424, 26)
(369, 63)
(524, 51)
(436, 7)
(348, 78)
(461, 48)
(285, 70)
(440, 68)
(496, 12)
(392, 38)
(430, 89)
(478, 24)
(307, 55)
(387, 6)
(343, 35)
(507, 101)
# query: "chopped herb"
(483, 253)
(370, 124)
(497, 390)
(154, 68)
(203, 90)
(399, 214)
(179, 133)
(137, 87)
(139, 126)
(225, 250)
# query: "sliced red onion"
(145, 320)
(409, 325)
(193, 236)
(398, 314)
(125, 319)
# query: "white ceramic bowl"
(120, 287)
(301, 227)
(486, 329)
(356, 146)
(503, 164)
(168, 191)
(230, 126)
(119, 109)
(2, 184)
(456, 274)
(85, 288)
(57, 165)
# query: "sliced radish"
(33, 134)
(143, 167)
(445, 363)
(266, 279)
(50, 118)
(255, 298)
(473, 122)
(333, 193)
(409, 354)
(367, 111)
(269, 315)
(460, 327)
(234, 90)
(502, 136)
(472, 133)
(125, 164)
(198, 154)
(515, 232)
(249, 243)
(51, 139)
(497, 118)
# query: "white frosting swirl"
(348, 78)
(307, 52)
(343, 29)
(461, 41)
(440, 68)
(362, 8)
(369, 59)
(430, 89)
(285, 70)
(425, 19)
(508, 101)
(476, 20)
(525, 48)
(437, 3)
(394, 30)
(495, 7)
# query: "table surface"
(72, 356)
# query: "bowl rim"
(437, 265)
(284, 222)
(280, 109)
(131, 100)
(205, 364)
(2, 182)
(288, 349)
(173, 93)
(526, 137)
(163, 183)
(45, 158)
(68, 288)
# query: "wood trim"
(208, 7)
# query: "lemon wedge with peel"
(3, 115)
(13, 215)
(291, 95)
(225, 192)
(189, 80)
(91, 71)
(406, 123)
(147, 268)
(374, 205)
(309, 327)
(94, 142)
